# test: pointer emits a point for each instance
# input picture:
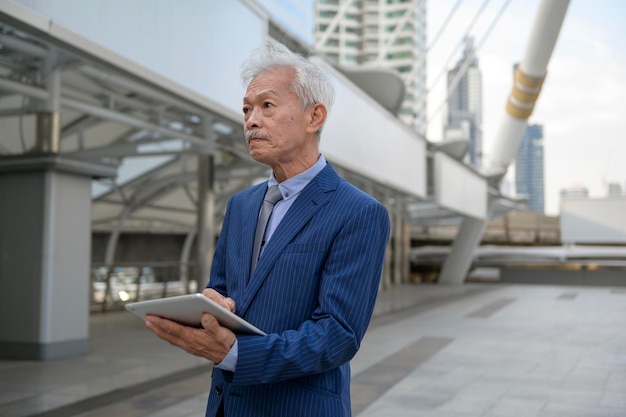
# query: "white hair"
(310, 84)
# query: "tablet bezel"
(188, 309)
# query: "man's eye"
(246, 110)
(267, 104)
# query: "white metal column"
(526, 88)
(459, 261)
(206, 218)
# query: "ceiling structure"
(116, 113)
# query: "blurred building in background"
(529, 168)
(575, 191)
(379, 33)
(464, 118)
(614, 189)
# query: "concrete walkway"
(489, 350)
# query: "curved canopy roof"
(150, 129)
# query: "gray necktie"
(272, 196)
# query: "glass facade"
(529, 169)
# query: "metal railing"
(112, 287)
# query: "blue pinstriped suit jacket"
(312, 292)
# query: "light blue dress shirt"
(289, 189)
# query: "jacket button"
(218, 389)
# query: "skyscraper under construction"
(385, 33)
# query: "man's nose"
(253, 120)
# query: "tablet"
(187, 309)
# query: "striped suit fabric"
(313, 293)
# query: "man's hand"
(212, 341)
(225, 302)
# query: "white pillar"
(529, 78)
(386, 279)
(406, 253)
(457, 264)
(397, 245)
(45, 255)
(184, 259)
(206, 218)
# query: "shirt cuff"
(229, 363)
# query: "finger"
(222, 335)
(220, 299)
(208, 291)
(231, 304)
(210, 323)
(222, 338)
(163, 328)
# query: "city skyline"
(580, 105)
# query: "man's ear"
(317, 117)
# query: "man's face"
(274, 123)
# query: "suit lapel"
(312, 198)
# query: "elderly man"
(309, 279)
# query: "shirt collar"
(292, 186)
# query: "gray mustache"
(254, 134)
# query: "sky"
(583, 100)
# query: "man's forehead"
(268, 92)
(275, 82)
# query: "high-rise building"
(464, 117)
(575, 191)
(529, 170)
(614, 189)
(386, 33)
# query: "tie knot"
(273, 195)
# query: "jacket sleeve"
(348, 286)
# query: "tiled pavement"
(477, 350)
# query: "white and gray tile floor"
(477, 350)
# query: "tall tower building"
(529, 173)
(614, 189)
(464, 118)
(575, 191)
(385, 33)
